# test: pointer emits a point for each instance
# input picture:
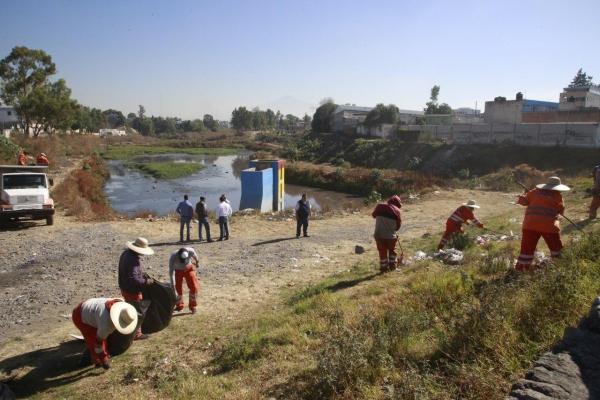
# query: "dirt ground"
(47, 270)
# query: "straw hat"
(124, 317)
(553, 183)
(471, 204)
(140, 246)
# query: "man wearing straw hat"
(462, 215)
(544, 205)
(97, 319)
(131, 277)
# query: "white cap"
(184, 255)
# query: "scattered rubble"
(359, 249)
(450, 256)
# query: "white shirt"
(95, 313)
(224, 209)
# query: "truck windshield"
(29, 181)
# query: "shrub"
(373, 197)
(460, 241)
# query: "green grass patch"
(166, 170)
(128, 152)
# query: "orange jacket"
(462, 215)
(543, 208)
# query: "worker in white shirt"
(181, 266)
(224, 212)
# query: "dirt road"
(47, 270)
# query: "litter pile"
(449, 256)
(493, 237)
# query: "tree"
(307, 119)
(141, 111)
(321, 121)
(581, 80)
(22, 72)
(432, 104)
(210, 123)
(241, 119)
(114, 118)
(382, 114)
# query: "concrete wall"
(569, 135)
(503, 111)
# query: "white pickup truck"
(24, 193)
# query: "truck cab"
(24, 194)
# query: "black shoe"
(209, 240)
(219, 239)
(297, 236)
(306, 236)
(226, 237)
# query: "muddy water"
(130, 191)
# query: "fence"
(568, 135)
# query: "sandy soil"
(47, 270)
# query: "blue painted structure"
(538, 106)
(278, 186)
(257, 189)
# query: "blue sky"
(188, 58)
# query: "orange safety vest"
(462, 215)
(543, 208)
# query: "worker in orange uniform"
(42, 159)
(97, 319)
(181, 266)
(388, 221)
(595, 193)
(454, 224)
(544, 205)
(22, 157)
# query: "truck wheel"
(50, 220)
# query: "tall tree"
(23, 72)
(321, 121)
(114, 118)
(241, 119)
(581, 79)
(432, 104)
(141, 111)
(210, 123)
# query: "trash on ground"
(450, 256)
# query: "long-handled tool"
(564, 216)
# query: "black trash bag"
(162, 303)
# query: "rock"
(359, 249)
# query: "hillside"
(302, 318)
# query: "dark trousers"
(203, 222)
(185, 221)
(302, 223)
(224, 227)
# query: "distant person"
(202, 213)
(186, 213)
(454, 224)
(303, 211)
(131, 276)
(595, 193)
(181, 266)
(544, 205)
(42, 159)
(224, 212)
(97, 319)
(388, 221)
(22, 157)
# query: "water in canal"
(130, 191)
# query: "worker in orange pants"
(462, 215)
(181, 266)
(387, 223)
(544, 205)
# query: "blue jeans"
(185, 221)
(203, 222)
(224, 227)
